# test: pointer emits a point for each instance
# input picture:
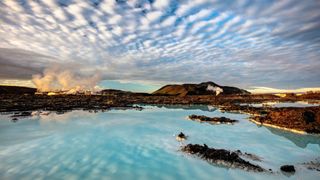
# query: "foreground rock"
(221, 157)
(212, 120)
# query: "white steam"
(215, 89)
(58, 78)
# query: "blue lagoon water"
(131, 144)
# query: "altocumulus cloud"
(244, 43)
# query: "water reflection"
(131, 144)
(299, 140)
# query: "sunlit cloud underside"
(243, 43)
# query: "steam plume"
(215, 89)
(57, 78)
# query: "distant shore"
(299, 120)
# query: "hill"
(16, 90)
(205, 88)
(116, 92)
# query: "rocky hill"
(205, 88)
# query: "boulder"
(288, 168)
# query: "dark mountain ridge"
(198, 89)
(16, 90)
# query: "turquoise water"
(130, 144)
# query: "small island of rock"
(212, 120)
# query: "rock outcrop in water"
(197, 89)
(181, 137)
(296, 119)
(221, 157)
(288, 168)
(212, 120)
(300, 119)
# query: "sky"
(144, 44)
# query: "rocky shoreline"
(10, 103)
(296, 119)
(300, 120)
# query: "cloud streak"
(243, 43)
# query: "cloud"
(169, 21)
(154, 15)
(161, 4)
(21, 64)
(241, 43)
(10, 82)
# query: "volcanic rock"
(221, 157)
(288, 168)
(213, 120)
(181, 137)
(305, 119)
(309, 117)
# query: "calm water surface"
(130, 144)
